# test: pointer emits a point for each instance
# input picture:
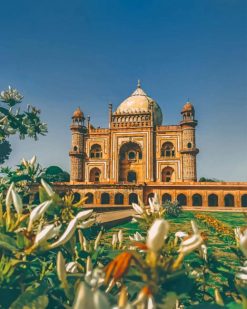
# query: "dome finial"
(138, 83)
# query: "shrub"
(172, 209)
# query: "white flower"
(100, 300)
(89, 266)
(243, 272)
(87, 224)
(94, 277)
(17, 202)
(37, 212)
(154, 203)
(181, 234)
(241, 276)
(86, 299)
(243, 243)
(69, 232)
(237, 232)
(83, 215)
(120, 237)
(44, 235)
(83, 298)
(156, 234)
(204, 251)
(47, 188)
(9, 196)
(150, 302)
(72, 267)
(114, 240)
(136, 237)
(33, 160)
(97, 240)
(193, 242)
(61, 271)
(138, 209)
(24, 162)
(194, 227)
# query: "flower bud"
(83, 215)
(120, 237)
(87, 224)
(33, 160)
(9, 196)
(44, 235)
(157, 234)
(97, 240)
(243, 243)
(137, 208)
(89, 266)
(61, 271)
(37, 212)
(84, 298)
(66, 235)
(47, 188)
(17, 202)
(72, 267)
(114, 240)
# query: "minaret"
(189, 150)
(78, 131)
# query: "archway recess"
(130, 160)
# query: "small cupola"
(78, 117)
(188, 111)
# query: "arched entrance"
(213, 200)
(89, 198)
(77, 197)
(131, 177)
(133, 198)
(105, 198)
(229, 200)
(182, 199)
(94, 175)
(196, 200)
(130, 163)
(166, 197)
(119, 199)
(167, 174)
(244, 200)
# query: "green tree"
(13, 121)
(55, 174)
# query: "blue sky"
(63, 54)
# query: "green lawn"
(216, 245)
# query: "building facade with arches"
(138, 155)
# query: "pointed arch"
(167, 174)
(95, 174)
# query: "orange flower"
(146, 291)
(118, 267)
(140, 245)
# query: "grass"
(217, 246)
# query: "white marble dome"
(139, 102)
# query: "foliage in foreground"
(53, 255)
(13, 121)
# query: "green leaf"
(7, 242)
(31, 300)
